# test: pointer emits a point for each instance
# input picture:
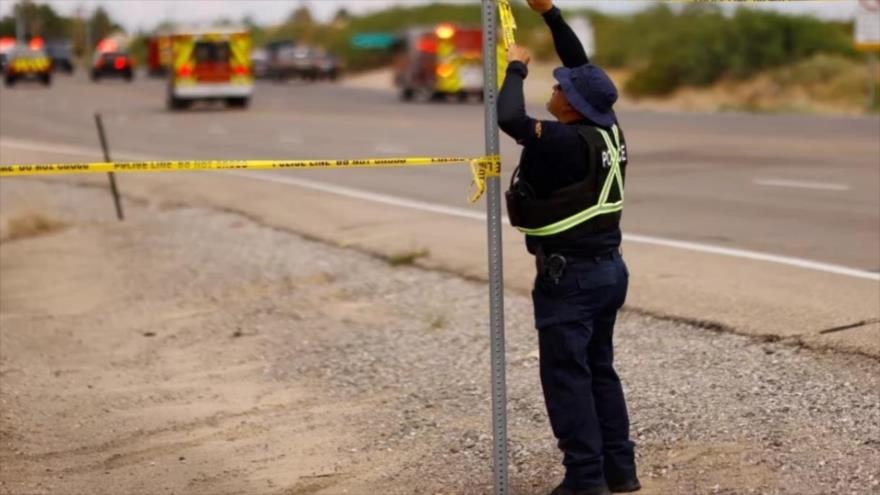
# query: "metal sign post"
(113, 190)
(496, 279)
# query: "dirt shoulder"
(767, 300)
(192, 350)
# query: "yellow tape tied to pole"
(508, 23)
(481, 167)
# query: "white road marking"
(290, 139)
(23, 144)
(799, 184)
(387, 148)
(465, 213)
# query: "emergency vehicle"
(159, 54)
(23, 62)
(111, 59)
(433, 63)
(210, 65)
(7, 43)
(112, 64)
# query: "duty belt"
(553, 265)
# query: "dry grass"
(438, 322)
(406, 258)
(823, 84)
(31, 225)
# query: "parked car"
(260, 63)
(328, 66)
(112, 64)
(61, 53)
(26, 63)
(293, 61)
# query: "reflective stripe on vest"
(603, 206)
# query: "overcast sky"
(145, 14)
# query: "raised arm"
(568, 46)
(512, 118)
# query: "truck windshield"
(212, 51)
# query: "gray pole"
(19, 23)
(496, 278)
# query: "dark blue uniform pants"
(575, 320)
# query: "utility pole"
(19, 23)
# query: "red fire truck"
(433, 63)
(159, 54)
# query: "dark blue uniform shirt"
(554, 155)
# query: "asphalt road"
(807, 187)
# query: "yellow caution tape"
(508, 23)
(486, 166)
(481, 167)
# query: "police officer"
(567, 197)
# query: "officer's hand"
(518, 53)
(540, 6)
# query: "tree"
(341, 18)
(7, 26)
(101, 25)
(39, 20)
(301, 22)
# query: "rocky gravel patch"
(405, 354)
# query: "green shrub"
(667, 47)
(700, 45)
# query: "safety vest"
(575, 205)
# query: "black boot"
(628, 485)
(594, 490)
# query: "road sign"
(374, 41)
(867, 30)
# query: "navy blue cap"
(590, 91)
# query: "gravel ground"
(405, 352)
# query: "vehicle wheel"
(238, 102)
(9, 81)
(46, 79)
(462, 96)
(427, 95)
(407, 94)
(129, 76)
(178, 103)
(95, 76)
